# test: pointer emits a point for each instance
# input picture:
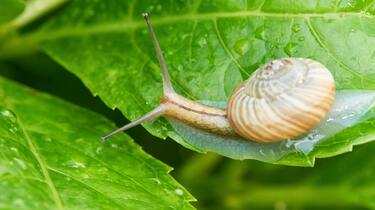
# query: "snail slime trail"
(281, 100)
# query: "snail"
(283, 99)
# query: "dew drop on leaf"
(202, 42)
(19, 202)
(260, 34)
(99, 150)
(179, 192)
(156, 180)
(9, 115)
(296, 27)
(290, 48)
(103, 169)
(13, 149)
(20, 163)
(242, 46)
(74, 164)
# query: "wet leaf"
(210, 46)
(51, 159)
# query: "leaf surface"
(210, 46)
(51, 159)
(9, 9)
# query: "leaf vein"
(43, 167)
(226, 49)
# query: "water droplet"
(242, 46)
(301, 38)
(289, 143)
(6, 113)
(113, 145)
(310, 136)
(85, 176)
(156, 180)
(14, 149)
(179, 192)
(202, 42)
(262, 152)
(103, 169)
(98, 150)
(48, 139)
(296, 27)
(74, 164)
(290, 48)
(348, 115)
(352, 30)
(150, 8)
(9, 115)
(20, 163)
(260, 33)
(18, 202)
(13, 129)
(180, 68)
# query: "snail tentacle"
(155, 113)
(167, 85)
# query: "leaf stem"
(34, 10)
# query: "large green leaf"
(9, 9)
(51, 159)
(210, 46)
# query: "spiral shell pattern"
(281, 100)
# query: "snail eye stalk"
(167, 86)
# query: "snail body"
(281, 100)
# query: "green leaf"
(9, 9)
(51, 159)
(210, 46)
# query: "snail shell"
(281, 100)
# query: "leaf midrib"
(133, 24)
(33, 38)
